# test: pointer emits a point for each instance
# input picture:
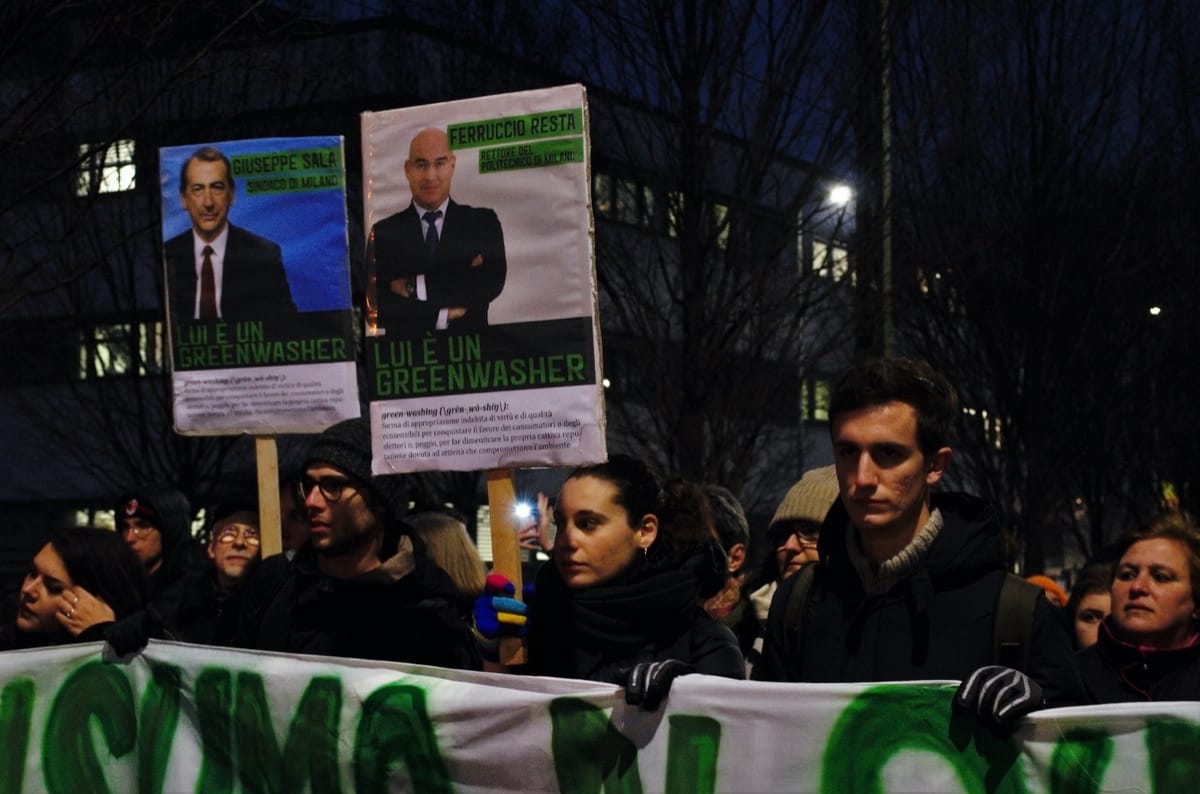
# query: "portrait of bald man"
(438, 264)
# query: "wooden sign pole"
(269, 525)
(506, 548)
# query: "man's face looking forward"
(207, 197)
(429, 169)
(235, 546)
(883, 476)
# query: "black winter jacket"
(291, 606)
(1115, 671)
(206, 615)
(937, 624)
(650, 613)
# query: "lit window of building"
(721, 224)
(121, 349)
(814, 400)
(106, 168)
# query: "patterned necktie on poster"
(208, 287)
(431, 236)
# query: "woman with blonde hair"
(448, 545)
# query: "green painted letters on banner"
(95, 694)
(884, 721)
(311, 749)
(1080, 761)
(1174, 765)
(589, 753)
(158, 719)
(214, 712)
(694, 744)
(395, 727)
(310, 746)
(16, 709)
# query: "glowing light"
(840, 195)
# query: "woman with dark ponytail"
(621, 602)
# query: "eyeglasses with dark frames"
(331, 487)
(779, 535)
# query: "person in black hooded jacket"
(155, 521)
(908, 582)
(359, 587)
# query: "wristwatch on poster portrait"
(410, 287)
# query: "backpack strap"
(1013, 629)
(793, 618)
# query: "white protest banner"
(258, 286)
(187, 718)
(482, 334)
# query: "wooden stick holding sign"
(269, 525)
(506, 548)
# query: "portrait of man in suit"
(438, 264)
(218, 270)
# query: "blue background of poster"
(310, 226)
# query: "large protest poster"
(483, 346)
(187, 718)
(258, 285)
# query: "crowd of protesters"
(874, 573)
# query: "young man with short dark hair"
(909, 580)
(361, 587)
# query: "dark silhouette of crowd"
(871, 572)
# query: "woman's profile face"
(1093, 608)
(42, 593)
(1152, 601)
(595, 540)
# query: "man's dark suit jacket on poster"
(468, 235)
(253, 282)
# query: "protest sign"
(482, 335)
(258, 286)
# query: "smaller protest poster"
(258, 285)
(482, 333)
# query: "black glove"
(998, 695)
(648, 683)
(130, 634)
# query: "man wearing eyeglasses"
(156, 523)
(438, 264)
(208, 610)
(362, 586)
